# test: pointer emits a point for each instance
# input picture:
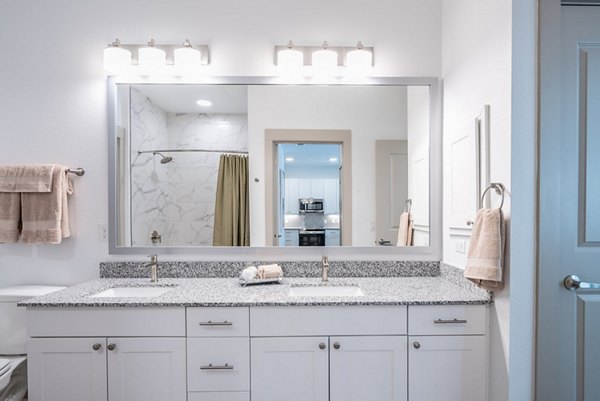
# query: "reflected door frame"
(273, 137)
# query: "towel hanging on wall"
(34, 203)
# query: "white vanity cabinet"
(447, 358)
(218, 354)
(328, 353)
(107, 354)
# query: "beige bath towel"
(405, 229)
(485, 257)
(45, 216)
(26, 178)
(10, 217)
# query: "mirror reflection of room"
(309, 194)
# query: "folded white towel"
(270, 271)
(485, 257)
(249, 273)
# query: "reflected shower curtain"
(232, 214)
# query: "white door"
(568, 329)
(447, 368)
(146, 369)
(290, 369)
(368, 368)
(391, 187)
(67, 369)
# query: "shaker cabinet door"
(67, 369)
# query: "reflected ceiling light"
(290, 61)
(333, 159)
(359, 61)
(289, 159)
(151, 59)
(325, 61)
(117, 60)
(187, 60)
(203, 103)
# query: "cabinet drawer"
(271, 321)
(447, 319)
(220, 396)
(218, 364)
(217, 322)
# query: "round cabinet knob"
(336, 345)
(416, 345)
(111, 347)
(322, 346)
(97, 346)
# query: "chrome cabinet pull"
(111, 347)
(417, 345)
(444, 321)
(336, 345)
(211, 323)
(322, 346)
(210, 366)
(96, 346)
(573, 283)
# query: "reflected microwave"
(310, 205)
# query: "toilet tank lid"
(22, 292)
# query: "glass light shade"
(116, 60)
(359, 62)
(290, 61)
(151, 60)
(324, 62)
(187, 60)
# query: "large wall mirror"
(229, 166)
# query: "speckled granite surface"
(197, 269)
(455, 275)
(229, 292)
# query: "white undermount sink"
(132, 292)
(325, 291)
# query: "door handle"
(573, 283)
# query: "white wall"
(52, 68)
(477, 71)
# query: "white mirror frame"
(425, 253)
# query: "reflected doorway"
(295, 200)
(309, 194)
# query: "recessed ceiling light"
(333, 159)
(203, 103)
(289, 159)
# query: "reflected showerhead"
(164, 159)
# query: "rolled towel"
(270, 271)
(249, 273)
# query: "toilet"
(13, 339)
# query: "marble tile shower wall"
(177, 199)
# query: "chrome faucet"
(153, 265)
(324, 269)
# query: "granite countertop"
(229, 292)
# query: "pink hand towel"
(405, 229)
(10, 217)
(45, 216)
(26, 178)
(485, 257)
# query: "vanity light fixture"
(117, 60)
(187, 59)
(359, 61)
(325, 61)
(289, 159)
(153, 59)
(333, 159)
(290, 60)
(203, 103)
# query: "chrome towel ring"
(499, 188)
